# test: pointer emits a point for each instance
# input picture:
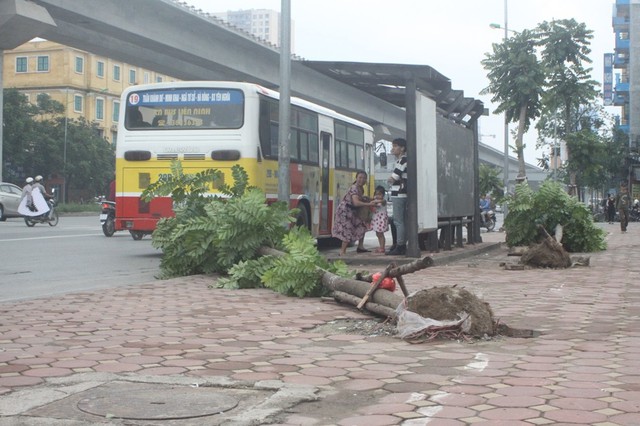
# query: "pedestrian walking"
(623, 201)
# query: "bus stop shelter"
(442, 146)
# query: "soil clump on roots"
(453, 303)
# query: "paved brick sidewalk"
(582, 369)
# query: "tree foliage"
(569, 87)
(588, 162)
(516, 81)
(490, 182)
(34, 144)
(222, 234)
(542, 73)
(548, 207)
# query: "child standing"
(380, 219)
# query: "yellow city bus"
(219, 124)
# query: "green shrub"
(550, 206)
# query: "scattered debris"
(580, 260)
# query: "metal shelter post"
(411, 229)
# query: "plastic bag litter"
(411, 324)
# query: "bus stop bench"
(450, 233)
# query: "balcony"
(619, 100)
(620, 60)
(622, 87)
(622, 44)
(620, 23)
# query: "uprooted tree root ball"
(449, 303)
(547, 254)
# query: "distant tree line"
(34, 144)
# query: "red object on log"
(388, 283)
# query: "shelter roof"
(388, 82)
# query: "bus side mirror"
(383, 159)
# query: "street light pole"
(284, 111)
(506, 125)
(64, 152)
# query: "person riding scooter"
(48, 197)
(485, 206)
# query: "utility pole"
(506, 125)
(284, 180)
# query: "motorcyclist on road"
(38, 184)
(485, 205)
(27, 190)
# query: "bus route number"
(164, 176)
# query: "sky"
(450, 36)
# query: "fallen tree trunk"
(381, 302)
(372, 307)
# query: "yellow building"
(88, 85)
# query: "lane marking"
(49, 238)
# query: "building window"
(79, 65)
(146, 77)
(43, 64)
(21, 64)
(158, 79)
(116, 73)
(77, 103)
(132, 76)
(100, 69)
(99, 109)
(116, 111)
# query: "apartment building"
(261, 23)
(621, 61)
(88, 85)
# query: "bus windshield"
(185, 108)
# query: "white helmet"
(29, 180)
(38, 178)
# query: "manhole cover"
(157, 403)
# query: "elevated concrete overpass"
(180, 41)
(495, 157)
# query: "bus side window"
(265, 130)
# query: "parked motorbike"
(108, 218)
(51, 217)
(488, 220)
